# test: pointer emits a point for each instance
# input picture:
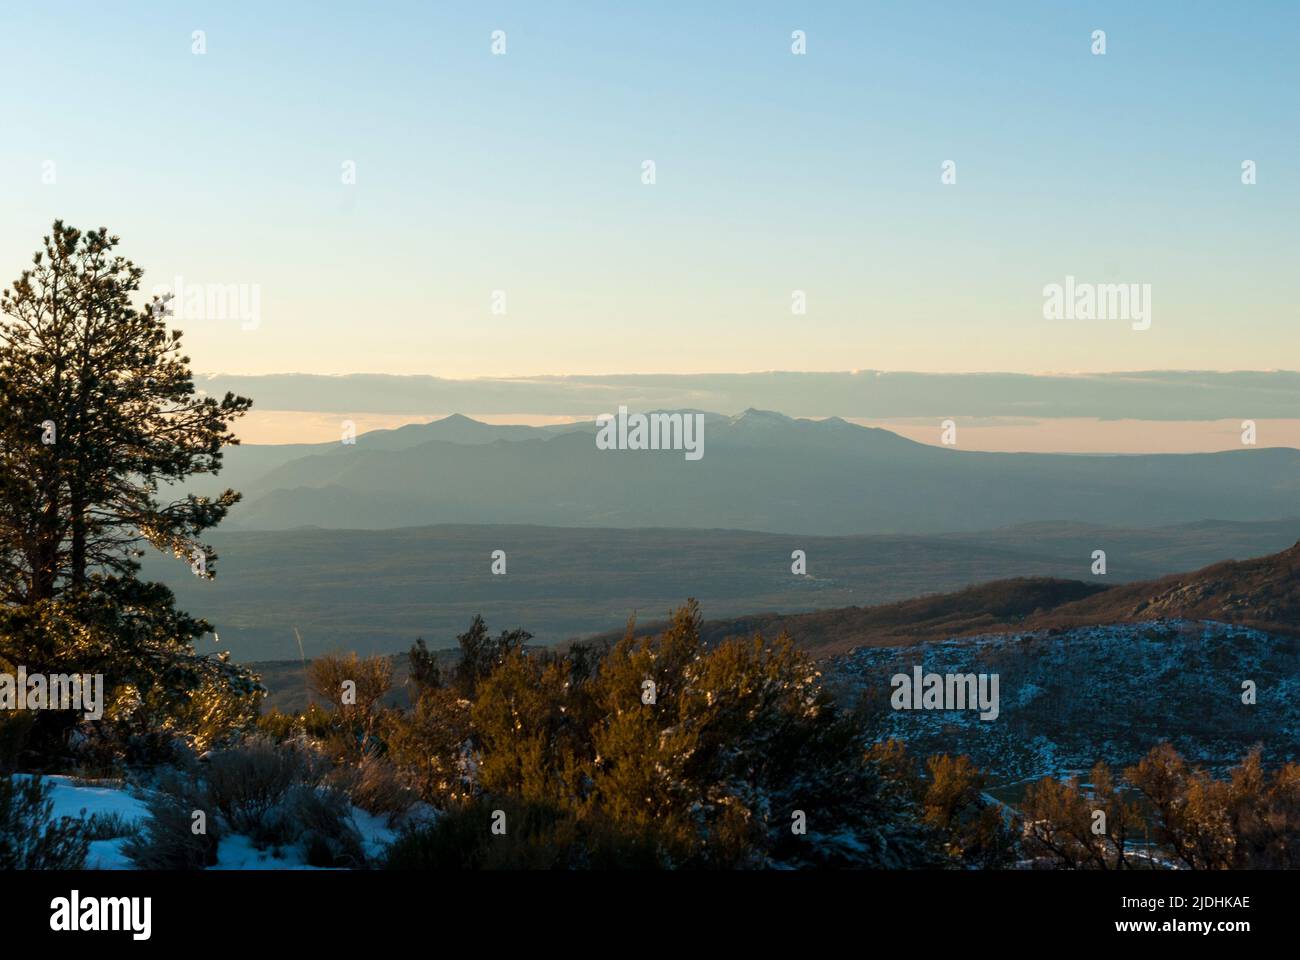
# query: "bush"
(481, 654)
(278, 726)
(247, 784)
(320, 819)
(268, 792)
(30, 839)
(313, 723)
(167, 840)
(110, 826)
(452, 841)
(355, 687)
(970, 830)
(430, 745)
(1249, 821)
(737, 741)
(376, 786)
(655, 751)
(538, 836)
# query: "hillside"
(1261, 593)
(1071, 697)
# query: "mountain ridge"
(1259, 593)
(760, 470)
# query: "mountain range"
(760, 471)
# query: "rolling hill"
(1261, 593)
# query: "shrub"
(430, 745)
(278, 726)
(971, 830)
(355, 686)
(314, 723)
(167, 840)
(538, 836)
(247, 784)
(30, 839)
(424, 673)
(110, 826)
(452, 841)
(1248, 821)
(376, 786)
(737, 740)
(320, 819)
(480, 654)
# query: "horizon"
(208, 374)
(1112, 412)
(1076, 435)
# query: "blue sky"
(775, 173)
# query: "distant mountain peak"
(754, 416)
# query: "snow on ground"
(77, 799)
(376, 834)
(237, 852)
(74, 798)
(1068, 697)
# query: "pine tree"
(101, 413)
(99, 418)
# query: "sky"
(522, 173)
